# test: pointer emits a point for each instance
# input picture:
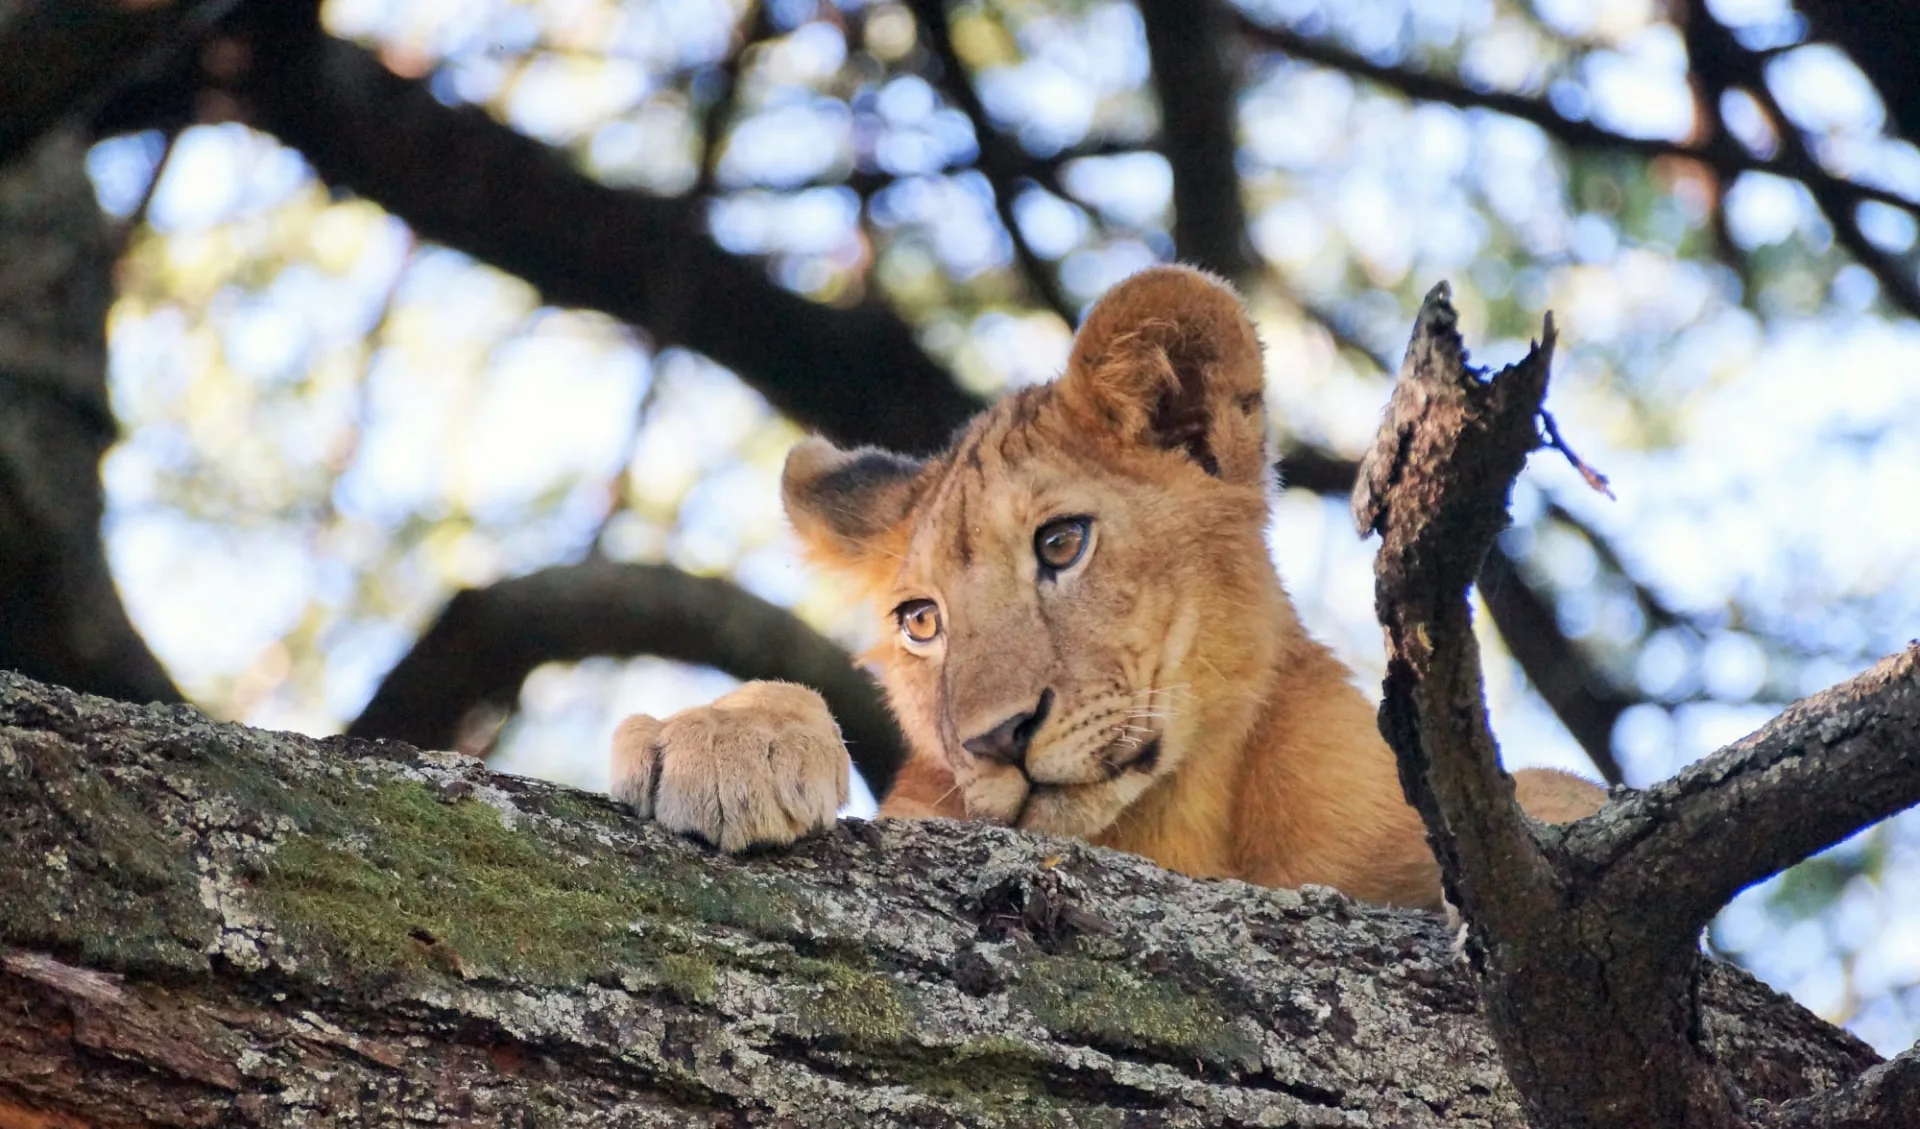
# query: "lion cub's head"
(1077, 593)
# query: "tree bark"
(204, 924)
(1586, 937)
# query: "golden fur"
(1157, 694)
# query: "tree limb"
(1882, 37)
(1189, 44)
(61, 616)
(1437, 508)
(1722, 62)
(206, 924)
(456, 176)
(81, 51)
(1830, 765)
(1884, 1097)
(1585, 939)
(1592, 1035)
(486, 641)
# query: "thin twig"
(1835, 196)
(1595, 480)
(1002, 160)
(1720, 152)
(719, 115)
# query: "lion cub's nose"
(1007, 742)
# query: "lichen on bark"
(201, 923)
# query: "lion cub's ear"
(850, 507)
(1169, 358)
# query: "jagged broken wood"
(206, 924)
(1586, 939)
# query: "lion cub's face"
(1068, 590)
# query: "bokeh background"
(331, 416)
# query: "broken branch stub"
(1590, 1035)
(1585, 938)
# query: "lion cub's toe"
(761, 766)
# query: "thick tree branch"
(487, 640)
(1884, 1097)
(1719, 151)
(1586, 939)
(1437, 508)
(66, 57)
(463, 179)
(1827, 767)
(1189, 45)
(207, 924)
(61, 617)
(1595, 1030)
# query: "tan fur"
(762, 764)
(1187, 716)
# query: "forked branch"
(1585, 939)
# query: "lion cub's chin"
(1075, 810)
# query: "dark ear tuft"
(849, 507)
(1169, 358)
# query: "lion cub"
(1085, 635)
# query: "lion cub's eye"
(1060, 544)
(919, 620)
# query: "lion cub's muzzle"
(1024, 777)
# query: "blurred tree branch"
(1002, 160)
(82, 51)
(1578, 692)
(61, 617)
(1721, 63)
(1719, 151)
(1882, 37)
(486, 641)
(461, 178)
(1586, 940)
(1192, 52)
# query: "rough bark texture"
(1586, 938)
(204, 924)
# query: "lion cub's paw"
(760, 766)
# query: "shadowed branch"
(487, 640)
